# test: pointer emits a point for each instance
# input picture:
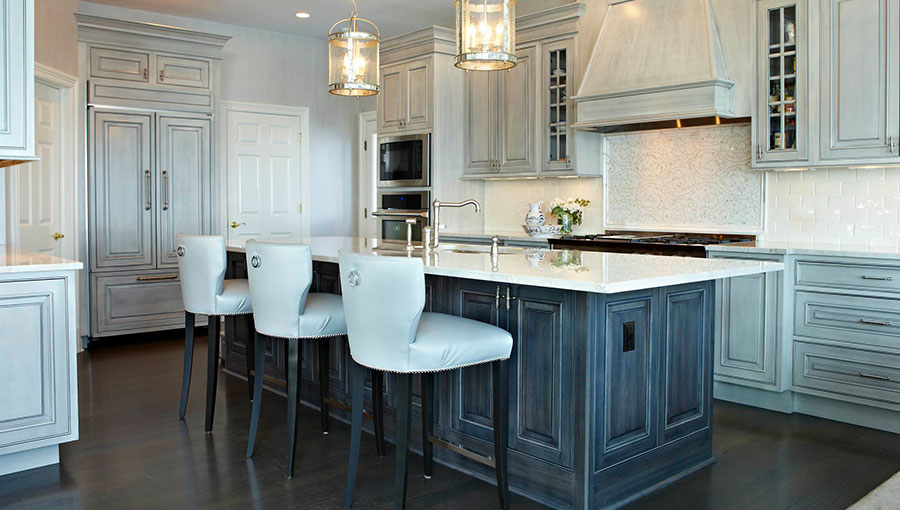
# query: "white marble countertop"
(14, 260)
(810, 248)
(486, 235)
(605, 273)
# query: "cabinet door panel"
(687, 341)
(391, 97)
(481, 111)
(137, 302)
(121, 196)
(16, 79)
(746, 347)
(34, 363)
(183, 182)
(418, 76)
(120, 64)
(517, 114)
(185, 72)
(860, 78)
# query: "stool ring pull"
(255, 261)
(180, 251)
(353, 278)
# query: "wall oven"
(404, 161)
(395, 207)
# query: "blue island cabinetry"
(610, 394)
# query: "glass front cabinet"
(557, 82)
(781, 134)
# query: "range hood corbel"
(655, 60)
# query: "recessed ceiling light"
(302, 15)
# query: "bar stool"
(384, 298)
(280, 277)
(204, 290)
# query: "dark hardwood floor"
(134, 453)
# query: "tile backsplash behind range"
(501, 199)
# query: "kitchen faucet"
(437, 204)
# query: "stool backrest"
(383, 302)
(201, 264)
(280, 276)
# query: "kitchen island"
(610, 373)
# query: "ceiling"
(392, 16)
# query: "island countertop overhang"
(598, 272)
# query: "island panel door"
(471, 398)
(542, 372)
(627, 365)
(687, 341)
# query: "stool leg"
(378, 409)
(324, 348)
(358, 376)
(251, 362)
(500, 386)
(427, 421)
(404, 394)
(212, 370)
(188, 361)
(259, 351)
(293, 386)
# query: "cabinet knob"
(57, 236)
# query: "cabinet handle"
(149, 184)
(162, 75)
(759, 152)
(165, 176)
(874, 322)
(146, 73)
(509, 297)
(157, 278)
(875, 376)
(497, 298)
(879, 278)
(892, 144)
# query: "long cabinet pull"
(165, 176)
(892, 144)
(157, 277)
(879, 278)
(875, 322)
(875, 376)
(149, 184)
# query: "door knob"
(57, 236)
(235, 224)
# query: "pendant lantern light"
(353, 57)
(485, 34)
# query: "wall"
(55, 35)
(503, 198)
(844, 206)
(262, 66)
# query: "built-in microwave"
(404, 161)
(395, 207)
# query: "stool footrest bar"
(345, 407)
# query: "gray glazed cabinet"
(406, 96)
(500, 118)
(17, 79)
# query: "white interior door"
(264, 175)
(37, 215)
(368, 167)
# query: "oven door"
(395, 207)
(393, 228)
(404, 161)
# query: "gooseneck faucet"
(437, 204)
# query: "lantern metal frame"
(355, 34)
(470, 61)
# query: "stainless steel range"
(653, 243)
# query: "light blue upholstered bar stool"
(384, 299)
(204, 290)
(280, 278)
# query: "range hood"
(655, 60)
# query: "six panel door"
(121, 192)
(183, 172)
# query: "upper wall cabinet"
(405, 98)
(781, 133)
(860, 81)
(831, 100)
(16, 79)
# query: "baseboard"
(783, 402)
(29, 459)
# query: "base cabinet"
(39, 400)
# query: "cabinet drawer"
(852, 319)
(135, 303)
(185, 72)
(847, 371)
(120, 65)
(864, 277)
